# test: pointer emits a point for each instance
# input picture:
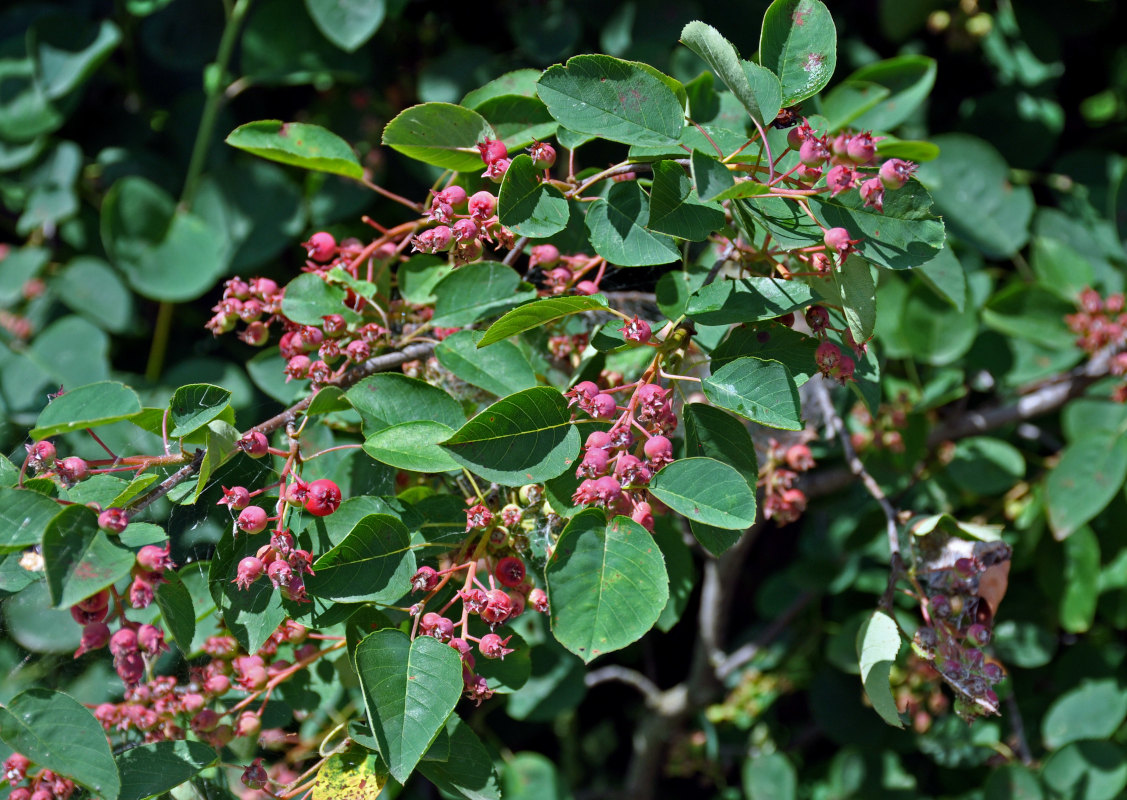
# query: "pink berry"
(424, 579)
(594, 463)
(482, 205)
(323, 498)
(297, 368)
(545, 256)
(813, 152)
(94, 636)
(441, 238)
(153, 558)
(643, 515)
(840, 179)
(237, 497)
(466, 230)
(872, 192)
(862, 149)
(113, 520)
(895, 172)
(636, 330)
(279, 573)
(838, 239)
(492, 151)
(321, 246)
(140, 593)
(72, 469)
(41, 454)
(123, 641)
(252, 519)
(828, 356)
(496, 171)
(150, 638)
(250, 569)
(658, 449)
(254, 444)
(598, 440)
(586, 288)
(538, 599)
(498, 606)
(543, 155)
(603, 406)
(453, 195)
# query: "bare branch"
(628, 676)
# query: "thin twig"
(628, 676)
(742, 655)
(168, 484)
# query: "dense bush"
(399, 404)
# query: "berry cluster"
(1102, 324)
(783, 502)
(42, 784)
(958, 626)
(848, 155)
(616, 466)
(831, 362)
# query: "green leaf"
(298, 144)
(177, 611)
(468, 770)
(971, 185)
(219, 446)
(527, 205)
(1086, 771)
(1032, 313)
(390, 398)
(68, 50)
(934, 331)
(518, 83)
(799, 44)
(166, 253)
(906, 234)
(986, 466)
(347, 23)
(710, 177)
(477, 291)
(606, 582)
(758, 89)
(410, 689)
(770, 776)
(373, 564)
(680, 567)
(674, 210)
(24, 516)
(309, 297)
(413, 446)
(858, 294)
(92, 288)
(945, 276)
(706, 490)
(418, 277)
(1092, 710)
(878, 642)
(527, 437)
(759, 390)
(769, 341)
(1081, 581)
(1089, 474)
(195, 405)
(87, 407)
(440, 134)
(531, 776)
(784, 220)
(714, 433)
(502, 369)
(57, 732)
(617, 227)
(908, 80)
(150, 770)
(538, 313)
(518, 120)
(80, 559)
(724, 302)
(613, 99)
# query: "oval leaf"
(747, 300)
(1093, 710)
(539, 312)
(706, 490)
(410, 688)
(1089, 474)
(617, 225)
(606, 583)
(56, 731)
(87, 407)
(440, 134)
(80, 559)
(757, 89)
(528, 206)
(298, 144)
(195, 405)
(374, 563)
(759, 390)
(413, 446)
(613, 99)
(153, 769)
(346, 23)
(799, 44)
(878, 642)
(24, 516)
(524, 438)
(501, 370)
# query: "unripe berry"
(237, 497)
(254, 444)
(643, 515)
(252, 519)
(441, 237)
(250, 569)
(545, 256)
(297, 368)
(636, 330)
(113, 520)
(482, 205)
(72, 469)
(840, 179)
(586, 288)
(978, 634)
(150, 638)
(543, 155)
(659, 450)
(94, 636)
(154, 558)
(538, 599)
(895, 172)
(872, 193)
(41, 454)
(861, 149)
(493, 646)
(498, 606)
(321, 246)
(813, 152)
(279, 573)
(424, 579)
(454, 195)
(323, 498)
(531, 494)
(466, 230)
(123, 641)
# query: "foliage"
(748, 374)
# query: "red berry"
(636, 330)
(252, 519)
(250, 569)
(424, 580)
(153, 558)
(321, 246)
(254, 444)
(603, 406)
(493, 646)
(586, 288)
(509, 571)
(643, 515)
(538, 599)
(150, 638)
(124, 641)
(498, 607)
(322, 498)
(237, 497)
(41, 454)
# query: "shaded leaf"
(617, 226)
(747, 300)
(527, 205)
(373, 563)
(878, 642)
(762, 391)
(347, 23)
(149, 770)
(706, 490)
(440, 134)
(533, 315)
(298, 144)
(502, 369)
(80, 559)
